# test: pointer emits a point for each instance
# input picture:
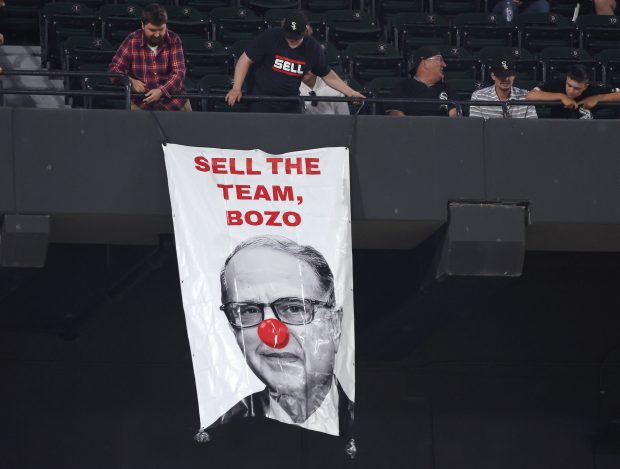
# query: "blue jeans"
(537, 6)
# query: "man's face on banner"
(299, 374)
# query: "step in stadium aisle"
(28, 58)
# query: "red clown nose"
(273, 333)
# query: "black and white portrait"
(273, 277)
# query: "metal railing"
(127, 94)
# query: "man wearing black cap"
(503, 73)
(278, 59)
(426, 83)
(578, 96)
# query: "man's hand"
(355, 94)
(137, 85)
(568, 103)
(589, 102)
(1, 39)
(233, 97)
(153, 96)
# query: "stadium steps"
(28, 58)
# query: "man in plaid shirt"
(153, 59)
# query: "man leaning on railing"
(152, 58)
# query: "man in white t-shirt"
(312, 85)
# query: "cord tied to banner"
(351, 449)
(202, 436)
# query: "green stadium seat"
(598, 32)
(103, 102)
(238, 47)
(334, 57)
(205, 6)
(556, 60)
(461, 64)
(58, 22)
(204, 57)
(20, 19)
(321, 6)
(84, 54)
(343, 27)
(609, 60)
(382, 87)
(455, 7)
(567, 7)
(234, 24)
(117, 21)
(526, 64)
(261, 6)
(370, 60)
(414, 30)
(462, 89)
(220, 84)
(188, 22)
(540, 30)
(386, 10)
(477, 30)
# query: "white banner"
(264, 250)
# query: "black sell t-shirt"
(559, 86)
(412, 88)
(277, 69)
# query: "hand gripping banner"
(264, 250)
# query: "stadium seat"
(462, 89)
(382, 87)
(609, 61)
(556, 60)
(567, 7)
(540, 30)
(103, 102)
(84, 54)
(219, 84)
(143, 3)
(455, 7)
(321, 6)
(460, 63)
(357, 86)
(192, 87)
(81, 53)
(386, 10)
(59, 21)
(598, 32)
(238, 47)
(414, 30)
(369, 60)
(477, 30)
(234, 24)
(334, 57)
(205, 6)
(204, 57)
(261, 6)
(526, 64)
(20, 19)
(188, 22)
(117, 21)
(343, 27)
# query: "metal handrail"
(59, 73)
(128, 94)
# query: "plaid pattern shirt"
(164, 69)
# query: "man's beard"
(154, 41)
